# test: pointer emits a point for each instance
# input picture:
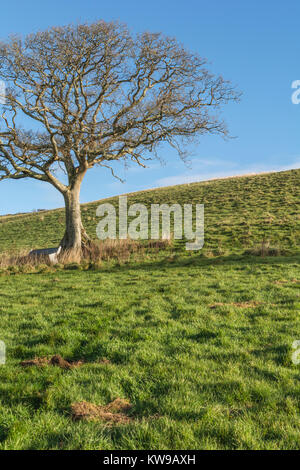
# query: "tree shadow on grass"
(186, 262)
(200, 261)
(280, 355)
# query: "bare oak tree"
(97, 95)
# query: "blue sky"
(255, 44)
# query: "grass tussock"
(122, 250)
(266, 249)
(117, 250)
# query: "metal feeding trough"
(47, 253)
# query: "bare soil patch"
(56, 360)
(113, 413)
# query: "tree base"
(76, 248)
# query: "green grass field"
(239, 214)
(199, 343)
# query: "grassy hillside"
(239, 214)
(200, 345)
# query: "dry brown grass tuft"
(265, 249)
(104, 361)
(37, 361)
(122, 250)
(287, 281)
(21, 258)
(69, 256)
(250, 304)
(56, 360)
(96, 252)
(113, 413)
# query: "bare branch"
(95, 94)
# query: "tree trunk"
(75, 238)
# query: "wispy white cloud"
(228, 169)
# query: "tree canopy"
(92, 94)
